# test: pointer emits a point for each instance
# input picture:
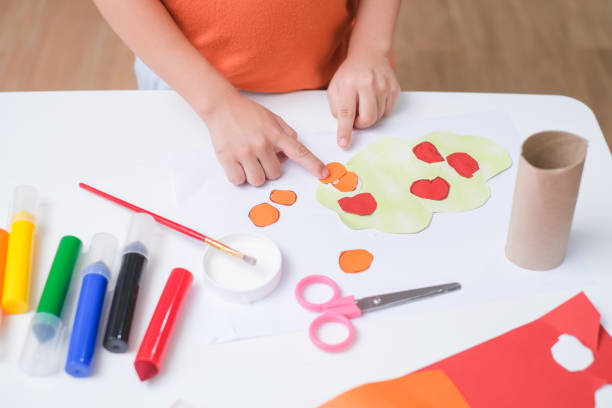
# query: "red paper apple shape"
(427, 152)
(436, 189)
(464, 164)
(360, 204)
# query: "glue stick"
(19, 253)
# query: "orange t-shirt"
(269, 45)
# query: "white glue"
(237, 281)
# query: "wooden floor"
(528, 46)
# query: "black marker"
(133, 262)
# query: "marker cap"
(140, 234)
(25, 201)
(42, 350)
(102, 249)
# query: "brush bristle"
(249, 259)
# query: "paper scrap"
(336, 170)
(360, 204)
(283, 197)
(388, 167)
(436, 189)
(355, 260)
(463, 163)
(427, 152)
(264, 214)
(425, 389)
(347, 183)
(515, 369)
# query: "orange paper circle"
(336, 170)
(355, 260)
(264, 214)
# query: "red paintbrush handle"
(168, 223)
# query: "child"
(207, 49)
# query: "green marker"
(58, 281)
(40, 354)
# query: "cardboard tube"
(545, 196)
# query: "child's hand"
(248, 139)
(363, 89)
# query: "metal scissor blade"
(371, 303)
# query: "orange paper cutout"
(336, 170)
(425, 389)
(355, 260)
(264, 214)
(283, 197)
(347, 183)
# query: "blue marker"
(96, 274)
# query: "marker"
(155, 342)
(96, 274)
(19, 253)
(133, 262)
(42, 349)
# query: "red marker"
(154, 344)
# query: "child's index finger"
(304, 157)
(347, 111)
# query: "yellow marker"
(19, 253)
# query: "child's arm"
(365, 87)
(246, 136)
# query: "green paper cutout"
(388, 167)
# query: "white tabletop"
(53, 140)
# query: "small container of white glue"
(233, 279)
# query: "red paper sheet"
(517, 369)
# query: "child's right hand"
(248, 139)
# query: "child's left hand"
(363, 90)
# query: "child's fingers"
(286, 128)
(300, 154)
(381, 100)
(391, 100)
(254, 172)
(270, 163)
(346, 110)
(233, 171)
(368, 109)
(281, 157)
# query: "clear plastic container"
(25, 202)
(42, 351)
(140, 234)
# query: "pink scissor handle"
(331, 318)
(338, 309)
(309, 280)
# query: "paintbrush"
(174, 225)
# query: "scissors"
(339, 309)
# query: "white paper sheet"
(465, 247)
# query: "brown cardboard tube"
(545, 194)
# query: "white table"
(55, 139)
